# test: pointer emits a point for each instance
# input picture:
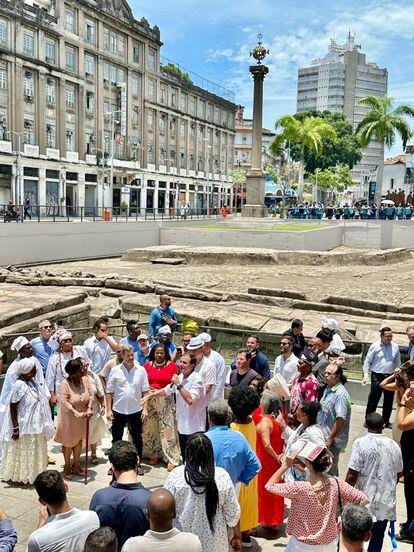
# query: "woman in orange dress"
(269, 449)
(76, 399)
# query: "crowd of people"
(352, 210)
(237, 443)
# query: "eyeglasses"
(68, 340)
(46, 327)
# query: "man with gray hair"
(41, 349)
(356, 524)
(231, 449)
(127, 384)
(410, 334)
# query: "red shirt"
(159, 378)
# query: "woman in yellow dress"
(243, 401)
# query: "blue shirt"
(382, 359)
(41, 351)
(335, 403)
(122, 507)
(155, 321)
(141, 358)
(259, 363)
(233, 453)
(8, 536)
(134, 344)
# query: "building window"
(113, 75)
(162, 121)
(3, 33)
(28, 84)
(136, 52)
(89, 140)
(90, 31)
(136, 85)
(3, 124)
(152, 89)
(89, 65)
(150, 119)
(70, 58)
(70, 20)
(120, 75)
(90, 102)
(50, 135)
(150, 151)
(70, 137)
(162, 94)
(70, 96)
(50, 91)
(106, 72)
(50, 51)
(3, 78)
(29, 129)
(182, 159)
(106, 105)
(28, 43)
(113, 42)
(134, 115)
(173, 97)
(151, 57)
(183, 102)
(192, 104)
(202, 109)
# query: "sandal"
(94, 460)
(67, 476)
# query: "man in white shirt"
(61, 528)
(219, 363)
(286, 363)
(382, 359)
(126, 385)
(205, 367)
(162, 535)
(99, 346)
(374, 468)
(188, 388)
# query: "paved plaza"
(21, 502)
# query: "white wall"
(48, 241)
(397, 172)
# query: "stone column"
(255, 182)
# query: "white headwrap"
(329, 323)
(164, 330)
(25, 365)
(64, 335)
(18, 343)
(205, 337)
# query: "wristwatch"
(179, 386)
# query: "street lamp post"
(111, 177)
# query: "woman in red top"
(258, 384)
(160, 429)
(269, 449)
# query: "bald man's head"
(161, 509)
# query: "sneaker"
(247, 543)
(388, 425)
(51, 461)
(404, 536)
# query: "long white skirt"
(97, 431)
(24, 459)
(296, 546)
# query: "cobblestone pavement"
(22, 506)
(388, 283)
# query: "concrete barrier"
(48, 241)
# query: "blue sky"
(213, 38)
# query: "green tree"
(238, 176)
(308, 133)
(345, 150)
(335, 179)
(382, 124)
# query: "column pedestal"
(255, 207)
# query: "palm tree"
(308, 132)
(382, 123)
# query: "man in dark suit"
(296, 333)
(319, 344)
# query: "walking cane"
(87, 451)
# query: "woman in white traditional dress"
(331, 326)
(97, 425)
(26, 429)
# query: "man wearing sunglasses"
(41, 349)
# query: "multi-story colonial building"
(91, 115)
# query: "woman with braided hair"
(205, 497)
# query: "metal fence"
(54, 213)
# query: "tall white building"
(337, 82)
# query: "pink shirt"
(303, 390)
(309, 521)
